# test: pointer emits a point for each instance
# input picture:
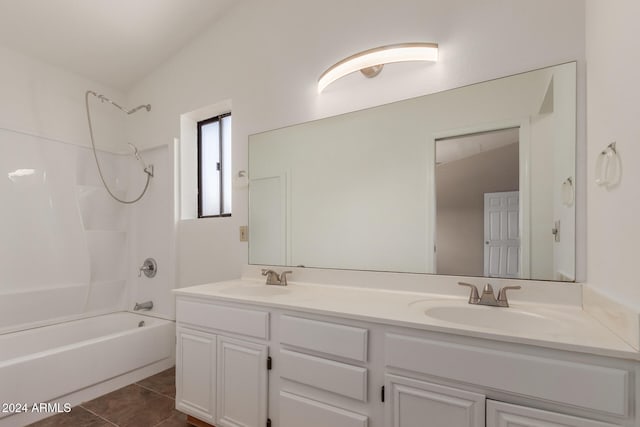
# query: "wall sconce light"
(371, 61)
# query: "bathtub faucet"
(147, 305)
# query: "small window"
(214, 166)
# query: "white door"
(501, 234)
(242, 383)
(415, 403)
(505, 415)
(195, 374)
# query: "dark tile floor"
(147, 403)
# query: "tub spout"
(147, 305)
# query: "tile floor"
(147, 403)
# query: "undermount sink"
(255, 290)
(495, 318)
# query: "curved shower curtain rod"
(146, 169)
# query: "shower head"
(145, 106)
(148, 169)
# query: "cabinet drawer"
(592, 387)
(252, 323)
(336, 377)
(297, 411)
(329, 338)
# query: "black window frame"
(200, 124)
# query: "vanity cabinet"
(339, 372)
(221, 378)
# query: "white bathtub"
(45, 364)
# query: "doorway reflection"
(477, 204)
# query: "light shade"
(376, 57)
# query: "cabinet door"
(505, 415)
(242, 383)
(195, 374)
(414, 403)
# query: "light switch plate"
(244, 233)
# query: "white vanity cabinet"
(221, 363)
(351, 372)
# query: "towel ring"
(608, 167)
(568, 192)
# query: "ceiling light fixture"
(370, 62)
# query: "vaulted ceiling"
(114, 42)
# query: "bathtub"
(50, 363)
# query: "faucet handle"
(502, 295)
(270, 274)
(473, 296)
(283, 277)
(273, 278)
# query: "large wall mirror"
(474, 181)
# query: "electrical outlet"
(244, 233)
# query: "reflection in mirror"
(477, 204)
(402, 187)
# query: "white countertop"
(562, 327)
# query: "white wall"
(152, 232)
(43, 100)
(613, 115)
(267, 56)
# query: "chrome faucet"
(488, 297)
(147, 305)
(273, 278)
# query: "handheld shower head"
(148, 169)
(135, 151)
